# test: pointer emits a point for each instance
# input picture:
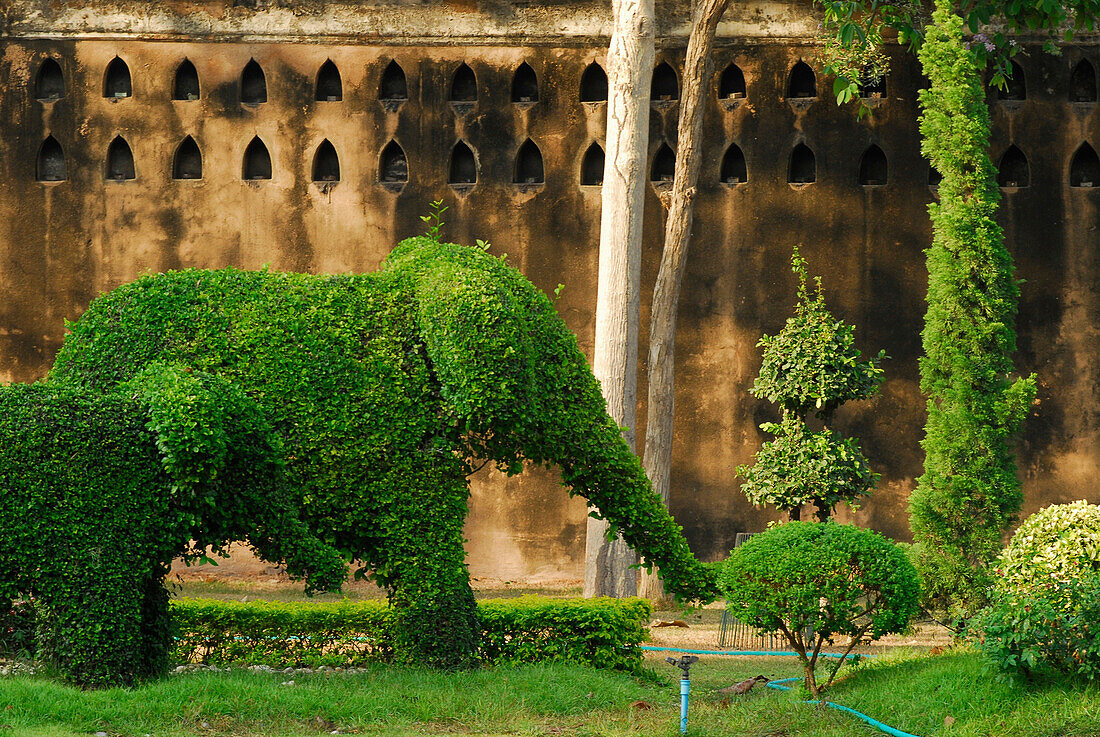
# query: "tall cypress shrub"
(969, 493)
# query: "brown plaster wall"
(62, 243)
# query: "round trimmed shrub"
(1057, 544)
(812, 581)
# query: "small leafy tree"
(812, 365)
(813, 581)
(969, 494)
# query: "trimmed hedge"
(603, 633)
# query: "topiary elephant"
(385, 389)
(99, 492)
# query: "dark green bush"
(16, 630)
(384, 391)
(1050, 628)
(813, 581)
(98, 494)
(599, 632)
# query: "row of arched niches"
(49, 83)
(462, 171)
(462, 168)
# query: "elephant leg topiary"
(385, 389)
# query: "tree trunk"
(607, 570)
(698, 69)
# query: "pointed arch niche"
(256, 165)
(664, 165)
(731, 85)
(464, 85)
(49, 83)
(50, 164)
(116, 80)
(1084, 169)
(1013, 170)
(803, 166)
(393, 86)
(528, 168)
(802, 83)
(393, 165)
(1082, 82)
(187, 163)
(592, 166)
(326, 163)
(525, 84)
(734, 170)
(186, 84)
(873, 168)
(594, 84)
(120, 160)
(330, 88)
(463, 170)
(665, 84)
(253, 84)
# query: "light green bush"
(1060, 543)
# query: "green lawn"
(911, 692)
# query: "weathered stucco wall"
(63, 242)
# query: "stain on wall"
(64, 242)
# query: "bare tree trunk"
(698, 69)
(607, 570)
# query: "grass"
(912, 692)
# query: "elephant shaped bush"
(382, 393)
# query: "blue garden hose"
(778, 685)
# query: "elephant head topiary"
(385, 389)
(99, 492)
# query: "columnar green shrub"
(813, 366)
(969, 493)
(603, 633)
(813, 581)
(385, 390)
(98, 494)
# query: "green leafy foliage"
(383, 391)
(812, 365)
(801, 467)
(1057, 544)
(604, 633)
(96, 503)
(1051, 627)
(969, 494)
(1044, 617)
(813, 581)
(854, 29)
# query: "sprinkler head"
(684, 664)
